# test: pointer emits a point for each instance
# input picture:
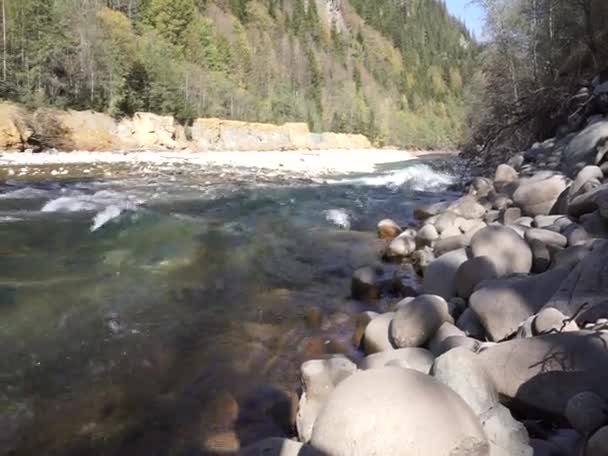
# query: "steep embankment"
(87, 130)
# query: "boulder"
(588, 173)
(467, 343)
(516, 161)
(446, 330)
(319, 378)
(587, 412)
(421, 259)
(505, 174)
(401, 247)
(388, 229)
(547, 237)
(587, 202)
(541, 256)
(449, 244)
(571, 256)
(576, 235)
(152, 130)
(491, 217)
(365, 284)
(471, 273)
(430, 210)
(395, 411)
(463, 373)
(504, 248)
(501, 202)
(426, 235)
(418, 359)
(598, 443)
(538, 194)
(469, 323)
(440, 275)
(507, 435)
(582, 150)
(470, 227)
(555, 223)
(541, 374)
(502, 305)
(376, 336)
(416, 322)
(446, 222)
(595, 225)
(467, 207)
(586, 285)
(456, 307)
(480, 187)
(550, 320)
(511, 215)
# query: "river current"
(166, 310)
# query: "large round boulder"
(397, 412)
(418, 320)
(502, 305)
(376, 337)
(587, 412)
(471, 273)
(538, 194)
(504, 248)
(440, 275)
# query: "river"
(165, 310)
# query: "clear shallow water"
(160, 312)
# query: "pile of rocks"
(504, 348)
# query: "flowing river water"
(165, 310)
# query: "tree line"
(392, 70)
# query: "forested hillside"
(394, 70)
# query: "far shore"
(316, 163)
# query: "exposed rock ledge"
(86, 130)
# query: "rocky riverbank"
(67, 131)
(502, 349)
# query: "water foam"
(108, 205)
(420, 177)
(339, 217)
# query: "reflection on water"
(165, 313)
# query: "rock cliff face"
(87, 130)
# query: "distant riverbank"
(43, 129)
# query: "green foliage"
(396, 75)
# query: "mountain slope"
(391, 69)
